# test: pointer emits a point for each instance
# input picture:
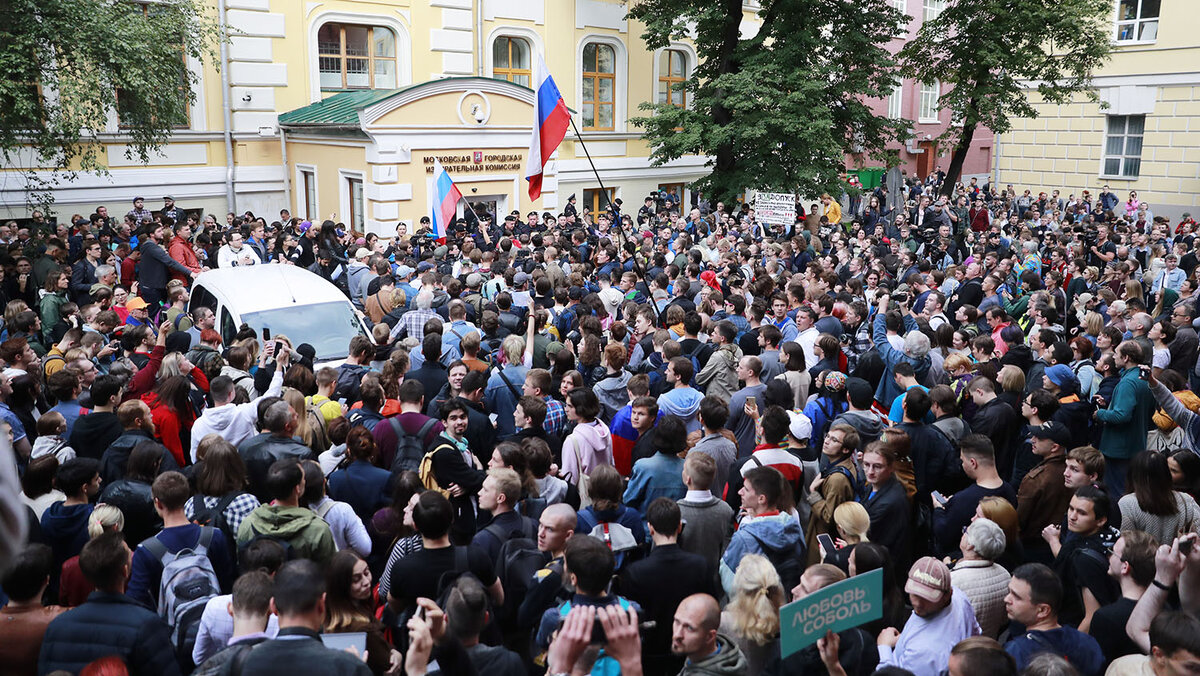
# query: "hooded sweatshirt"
(868, 423)
(65, 530)
(587, 447)
(684, 403)
(234, 422)
(728, 660)
(773, 534)
(612, 392)
(302, 529)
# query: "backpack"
(789, 564)
(616, 536)
(215, 517)
(255, 536)
(349, 379)
(517, 563)
(363, 417)
(188, 582)
(694, 355)
(410, 448)
(425, 472)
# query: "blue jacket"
(502, 399)
(109, 624)
(65, 530)
(779, 533)
(1081, 650)
(362, 485)
(888, 390)
(659, 476)
(684, 403)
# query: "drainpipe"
(995, 159)
(227, 110)
(287, 173)
(479, 38)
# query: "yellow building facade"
(1146, 135)
(339, 107)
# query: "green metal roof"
(341, 109)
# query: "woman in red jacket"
(172, 405)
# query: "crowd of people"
(610, 443)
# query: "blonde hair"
(1011, 378)
(293, 396)
(853, 520)
(105, 518)
(955, 362)
(1094, 323)
(756, 599)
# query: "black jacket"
(480, 434)
(152, 269)
(109, 624)
(114, 460)
(996, 420)
(261, 451)
(890, 516)
(134, 500)
(658, 583)
(299, 651)
(970, 293)
(935, 462)
(94, 433)
(552, 441)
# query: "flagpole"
(618, 224)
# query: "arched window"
(356, 57)
(599, 86)
(672, 72)
(510, 60)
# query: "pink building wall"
(979, 158)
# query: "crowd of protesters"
(611, 443)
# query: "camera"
(901, 297)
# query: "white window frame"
(895, 102)
(399, 31)
(311, 169)
(1136, 23)
(344, 196)
(620, 81)
(532, 37)
(934, 88)
(930, 9)
(1105, 157)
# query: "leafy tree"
(779, 109)
(71, 64)
(989, 51)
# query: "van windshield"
(328, 327)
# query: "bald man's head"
(694, 631)
(555, 527)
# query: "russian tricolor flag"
(445, 200)
(550, 122)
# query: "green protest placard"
(835, 608)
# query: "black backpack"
(410, 448)
(788, 563)
(517, 563)
(349, 380)
(215, 516)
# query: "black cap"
(571, 198)
(1054, 431)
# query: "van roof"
(266, 287)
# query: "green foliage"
(82, 52)
(778, 110)
(989, 52)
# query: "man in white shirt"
(234, 422)
(236, 252)
(942, 616)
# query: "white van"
(285, 299)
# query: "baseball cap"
(424, 266)
(1084, 298)
(1060, 374)
(929, 579)
(799, 425)
(441, 251)
(474, 279)
(404, 271)
(168, 197)
(136, 303)
(135, 199)
(305, 225)
(1054, 431)
(364, 252)
(520, 278)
